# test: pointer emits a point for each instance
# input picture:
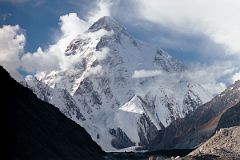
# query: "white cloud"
(40, 60)
(53, 57)
(101, 55)
(12, 41)
(209, 77)
(236, 77)
(216, 18)
(71, 25)
(146, 73)
(212, 77)
(102, 9)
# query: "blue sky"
(198, 33)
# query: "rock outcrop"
(224, 145)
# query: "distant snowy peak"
(167, 63)
(232, 89)
(109, 24)
(108, 36)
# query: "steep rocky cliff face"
(201, 124)
(230, 118)
(35, 130)
(121, 90)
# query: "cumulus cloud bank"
(218, 19)
(12, 41)
(53, 57)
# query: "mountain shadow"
(36, 130)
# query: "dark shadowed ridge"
(36, 130)
(230, 118)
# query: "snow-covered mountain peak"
(121, 90)
(108, 35)
(109, 24)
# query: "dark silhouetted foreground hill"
(36, 130)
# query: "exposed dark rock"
(230, 118)
(121, 139)
(147, 132)
(86, 86)
(96, 98)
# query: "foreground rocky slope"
(201, 124)
(225, 144)
(122, 91)
(36, 130)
